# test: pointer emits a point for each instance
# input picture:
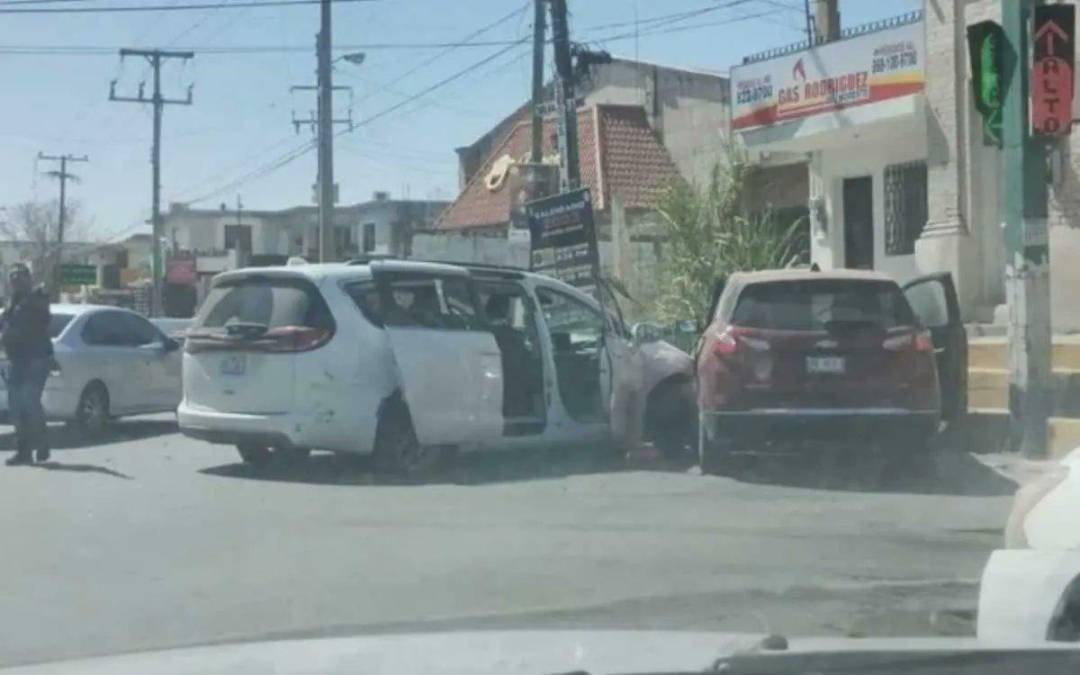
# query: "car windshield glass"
(814, 305)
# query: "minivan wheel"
(397, 450)
(92, 414)
(254, 454)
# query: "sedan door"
(934, 300)
(159, 362)
(448, 361)
(109, 356)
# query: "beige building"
(898, 177)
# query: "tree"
(33, 227)
(709, 233)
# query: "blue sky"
(240, 120)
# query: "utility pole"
(155, 57)
(63, 176)
(1027, 271)
(326, 135)
(565, 99)
(809, 24)
(539, 33)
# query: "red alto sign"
(1052, 70)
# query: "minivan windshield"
(815, 305)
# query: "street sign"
(78, 275)
(1052, 70)
(564, 238)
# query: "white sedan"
(113, 362)
(1030, 589)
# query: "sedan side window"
(107, 329)
(139, 331)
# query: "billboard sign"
(855, 71)
(564, 238)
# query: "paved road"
(149, 540)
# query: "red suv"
(811, 355)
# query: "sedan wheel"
(92, 415)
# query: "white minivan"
(407, 359)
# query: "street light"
(355, 58)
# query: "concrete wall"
(687, 109)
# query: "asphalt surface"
(146, 540)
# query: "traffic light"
(986, 46)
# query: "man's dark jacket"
(25, 326)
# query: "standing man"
(29, 348)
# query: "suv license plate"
(830, 365)
(234, 364)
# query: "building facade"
(218, 236)
(899, 176)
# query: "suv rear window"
(814, 305)
(268, 301)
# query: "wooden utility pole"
(539, 34)
(63, 176)
(565, 99)
(1027, 252)
(155, 57)
(326, 135)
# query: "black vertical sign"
(1054, 53)
(564, 238)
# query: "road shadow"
(868, 469)
(79, 468)
(479, 468)
(65, 437)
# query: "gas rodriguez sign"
(865, 69)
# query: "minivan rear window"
(267, 301)
(815, 305)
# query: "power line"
(96, 9)
(307, 147)
(463, 42)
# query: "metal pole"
(1027, 271)
(809, 25)
(58, 263)
(326, 137)
(155, 214)
(539, 30)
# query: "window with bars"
(906, 208)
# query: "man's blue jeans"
(25, 383)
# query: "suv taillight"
(913, 342)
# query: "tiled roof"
(619, 154)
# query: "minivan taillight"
(295, 338)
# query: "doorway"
(859, 222)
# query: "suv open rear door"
(934, 300)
